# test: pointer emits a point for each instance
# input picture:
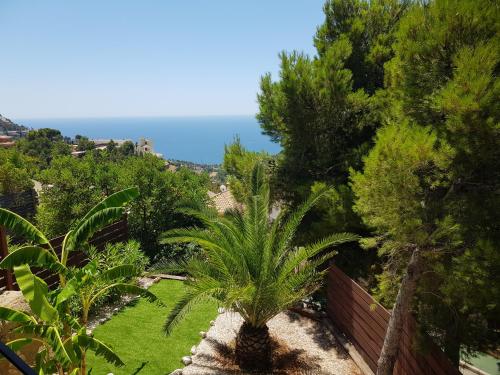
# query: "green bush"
(113, 255)
(118, 254)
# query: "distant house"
(224, 200)
(17, 133)
(145, 146)
(78, 154)
(102, 143)
(170, 167)
(6, 141)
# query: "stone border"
(188, 360)
(165, 276)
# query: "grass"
(136, 334)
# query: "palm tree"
(250, 265)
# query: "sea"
(196, 139)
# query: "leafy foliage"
(249, 263)
(43, 145)
(83, 143)
(68, 193)
(238, 165)
(74, 186)
(324, 110)
(65, 339)
(423, 77)
(15, 171)
(435, 183)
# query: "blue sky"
(145, 58)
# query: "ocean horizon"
(196, 139)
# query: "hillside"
(6, 125)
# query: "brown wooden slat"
(358, 304)
(353, 313)
(353, 292)
(348, 305)
(359, 336)
(115, 232)
(379, 309)
(361, 349)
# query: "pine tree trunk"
(452, 344)
(253, 348)
(389, 354)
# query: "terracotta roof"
(224, 201)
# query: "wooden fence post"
(4, 251)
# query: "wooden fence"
(365, 321)
(23, 203)
(112, 233)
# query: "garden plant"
(63, 336)
(249, 264)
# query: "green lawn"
(137, 337)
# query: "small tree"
(238, 165)
(249, 264)
(395, 195)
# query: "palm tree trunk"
(253, 347)
(389, 354)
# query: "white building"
(145, 146)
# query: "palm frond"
(35, 291)
(86, 228)
(16, 316)
(22, 227)
(167, 266)
(296, 257)
(35, 256)
(99, 348)
(117, 272)
(18, 344)
(118, 199)
(127, 289)
(248, 263)
(183, 307)
(293, 221)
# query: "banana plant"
(64, 339)
(59, 353)
(39, 252)
(89, 284)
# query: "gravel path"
(302, 346)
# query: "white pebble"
(221, 310)
(212, 322)
(187, 360)
(193, 350)
(203, 334)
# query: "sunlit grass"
(136, 334)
